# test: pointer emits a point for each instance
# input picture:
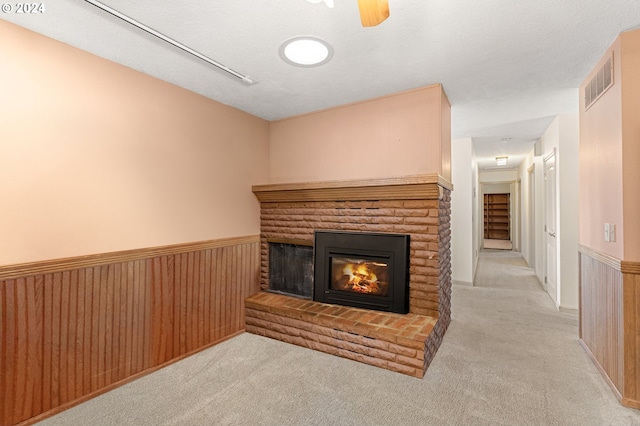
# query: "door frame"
(550, 230)
(532, 215)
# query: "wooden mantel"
(427, 186)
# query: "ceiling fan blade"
(373, 12)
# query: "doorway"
(497, 214)
(550, 241)
(532, 214)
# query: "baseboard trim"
(603, 373)
(631, 403)
(97, 327)
(122, 382)
(568, 310)
(462, 283)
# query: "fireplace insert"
(362, 269)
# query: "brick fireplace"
(418, 206)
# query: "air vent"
(599, 84)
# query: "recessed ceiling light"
(306, 51)
(501, 161)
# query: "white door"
(550, 228)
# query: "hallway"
(519, 348)
(509, 357)
(505, 269)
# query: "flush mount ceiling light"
(306, 51)
(501, 161)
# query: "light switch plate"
(607, 233)
(612, 232)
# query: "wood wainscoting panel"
(67, 335)
(631, 274)
(610, 320)
(601, 315)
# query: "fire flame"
(361, 279)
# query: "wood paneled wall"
(68, 333)
(601, 320)
(610, 320)
(631, 280)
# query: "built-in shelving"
(496, 216)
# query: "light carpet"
(508, 358)
(497, 244)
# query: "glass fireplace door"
(359, 275)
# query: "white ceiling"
(507, 66)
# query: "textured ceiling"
(507, 66)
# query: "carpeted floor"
(508, 358)
(497, 244)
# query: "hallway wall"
(462, 199)
(609, 178)
(536, 220)
(609, 152)
(525, 218)
(477, 227)
(563, 135)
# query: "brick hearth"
(418, 206)
(392, 341)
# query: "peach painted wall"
(600, 199)
(396, 135)
(445, 137)
(462, 223)
(609, 153)
(630, 46)
(96, 157)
